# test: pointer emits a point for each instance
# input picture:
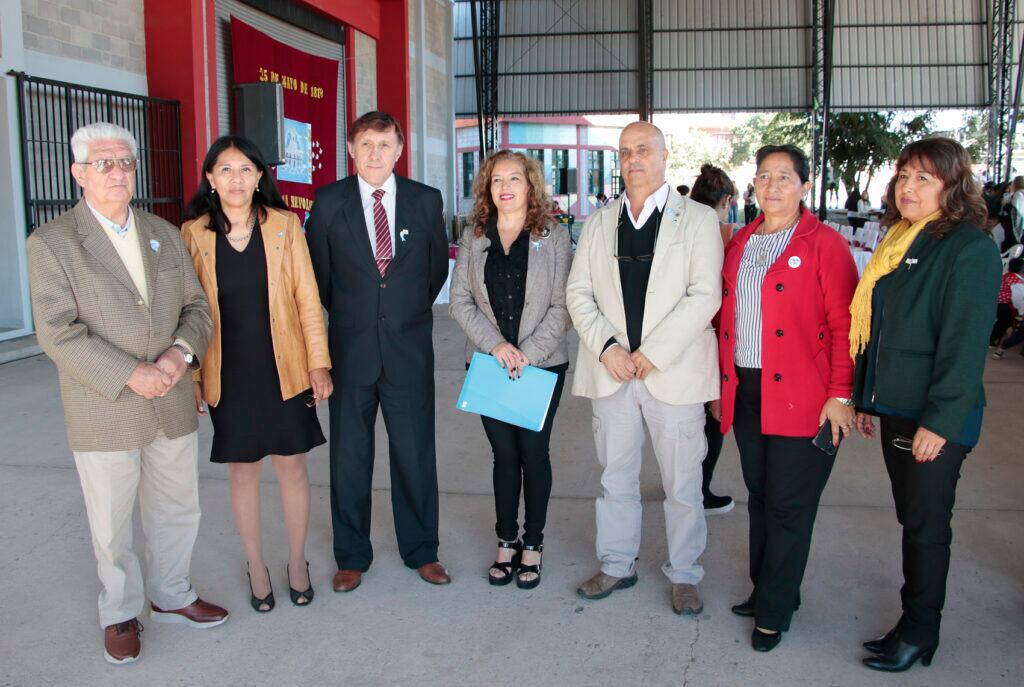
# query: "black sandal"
(527, 569)
(305, 597)
(507, 569)
(257, 603)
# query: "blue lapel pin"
(155, 245)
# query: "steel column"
(821, 89)
(1002, 17)
(645, 43)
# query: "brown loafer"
(198, 614)
(434, 573)
(686, 599)
(347, 580)
(121, 642)
(601, 585)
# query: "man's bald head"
(642, 158)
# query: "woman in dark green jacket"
(921, 318)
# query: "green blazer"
(938, 314)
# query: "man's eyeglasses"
(636, 258)
(127, 164)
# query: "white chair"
(869, 238)
(847, 233)
(1011, 253)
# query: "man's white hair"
(100, 131)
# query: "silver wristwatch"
(189, 358)
(848, 402)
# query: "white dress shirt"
(655, 200)
(366, 195)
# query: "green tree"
(974, 135)
(693, 148)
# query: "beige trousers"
(165, 476)
(677, 435)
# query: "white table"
(861, 259)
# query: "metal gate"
(50, 111)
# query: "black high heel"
(901, 658)
(257, 603)
(886, 643)
(527, 569)
(507, 569)
(305, 597)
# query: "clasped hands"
(624, 366)
(153, 380)
(510, 358)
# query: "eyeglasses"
(905, 444)
(310, 401)
(636, 258)
(127, 164)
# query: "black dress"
(251, 420)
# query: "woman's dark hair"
(1016, 265)
(206, 202)
(682, 189)
(961, 199)
(712, 186)
(800, 163)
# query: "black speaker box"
(567, 181)
(259, 116)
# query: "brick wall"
(105, 32)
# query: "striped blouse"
(761, 251)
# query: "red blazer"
(805, 328)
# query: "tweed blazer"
(93, 323)
(296, 317)
(545, 319)
(683, 294)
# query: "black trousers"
(409, 419)
(749, 213)
(522, 465)
(785, 477)
(713, 433)
(1004, 319)
(924, 494)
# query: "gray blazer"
(92, 322)
(545, 319)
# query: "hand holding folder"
(489, 391)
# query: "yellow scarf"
(886, 259)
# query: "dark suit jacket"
(934, 336)
(379, 325)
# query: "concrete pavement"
(396, 629)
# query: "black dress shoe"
(886, 643)
(901, 658)
(745, 609)
(764, 641)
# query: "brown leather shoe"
(686, 599)
(199, 614)
(121, 642)
(601, 585)
(347, 580)
(434, 573)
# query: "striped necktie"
(380, 224)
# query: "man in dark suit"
(380, 253)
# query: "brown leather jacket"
(296, 317)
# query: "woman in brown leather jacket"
(267, 365)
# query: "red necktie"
(380, 224)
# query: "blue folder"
(523, 402)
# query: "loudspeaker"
(567, 181)
(259, 116)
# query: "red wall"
(176, 67)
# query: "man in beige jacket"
(644, 286)
(119, 310)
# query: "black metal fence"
(49, 113)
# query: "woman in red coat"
(784, 348)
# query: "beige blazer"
(545, 320)
(93, 323)
(296, 317)
(683, 295)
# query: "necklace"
(250, 224)
(764, 247)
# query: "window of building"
(616, 174)
(467, 174)
(537, 154)
(595, 171)
(559, 161)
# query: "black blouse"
(505, 278)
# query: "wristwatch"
(187, 354)
(848, 402)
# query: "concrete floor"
(396, 629)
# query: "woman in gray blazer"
(508, 295)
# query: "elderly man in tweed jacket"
(119, 310)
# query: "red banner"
(310, 85)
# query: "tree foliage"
(974, 136)
(859, 142)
